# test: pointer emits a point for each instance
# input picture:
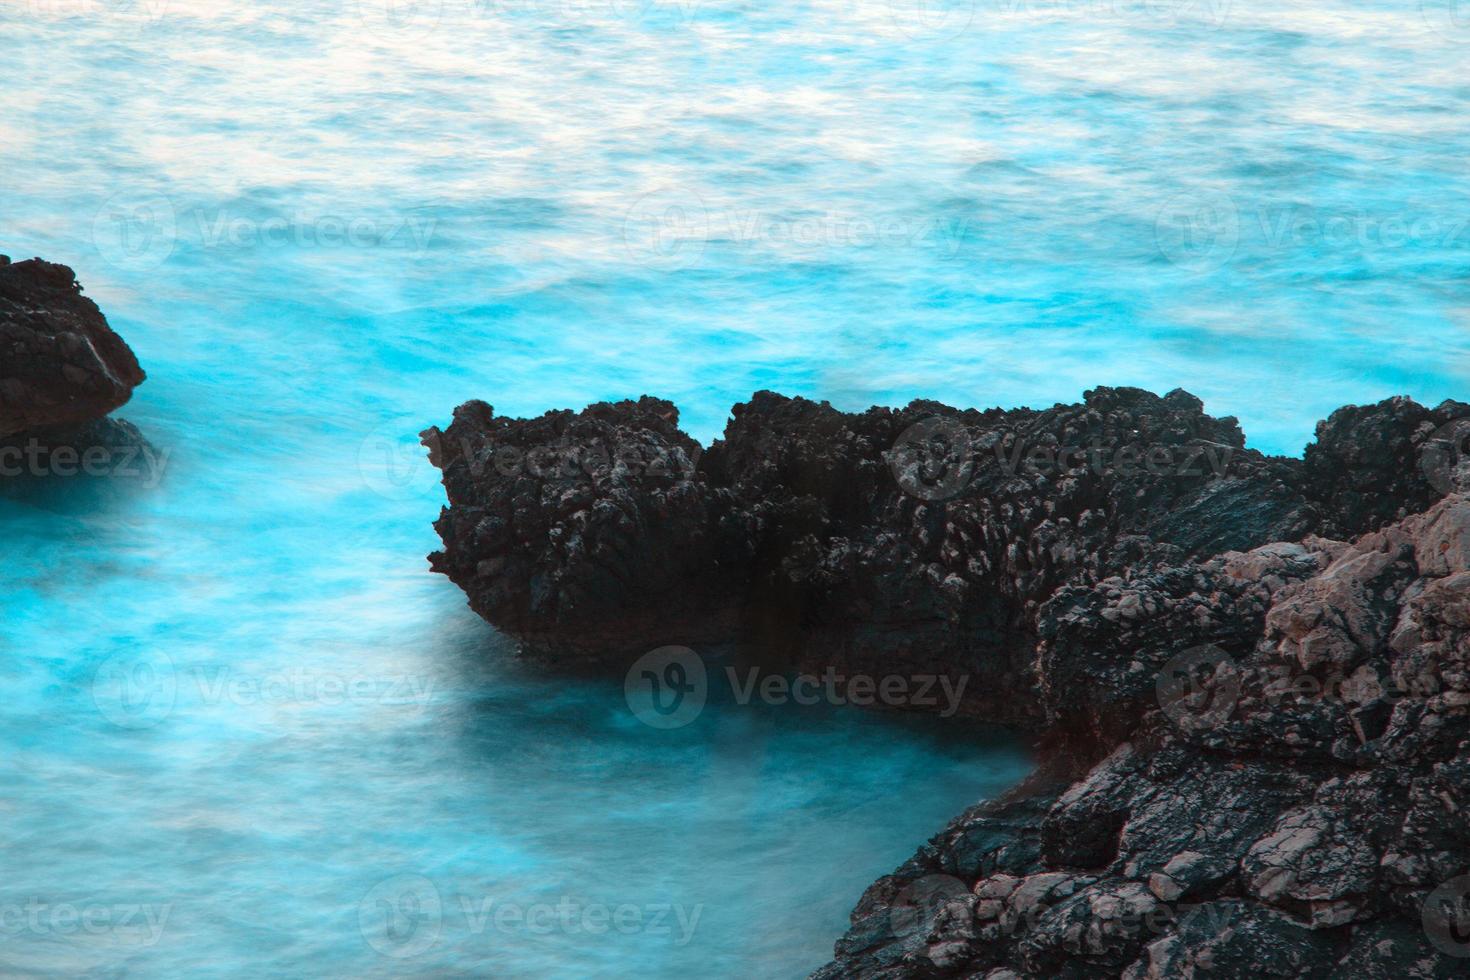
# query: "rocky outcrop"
(62, 370)
(914, 540)
(584, 534)
(1123, 576)
(60, 363)
(1293, 807)
(1373, 464)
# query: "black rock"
(75, 462)
(1254, 826)
(60, 363)
(1369, 464)
(920, 540)
(62, 370)
(1256, 732)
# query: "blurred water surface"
(322, 225)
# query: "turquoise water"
(322, 225)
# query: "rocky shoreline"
(1248, 674)
(63, 370)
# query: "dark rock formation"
(583, 534)
(43, 466)
(60, 363)
(62, 370)
(1296, 810)
(1372, 464)
(603, 534)
(1122, 576)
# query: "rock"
(1252, 680)
(47, 466)
(1233, 850)
(1395, 948)
(813, 535)
(1233, 939)
(600, 514)
(60, 363)
(1368, 466)
(62, 369)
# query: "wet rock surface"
(828, 538)
(61, 365)
(1251, 674)
(1295, 808)
(62, 370)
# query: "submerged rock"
(41, 465)
(1251, 674)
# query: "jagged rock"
(1368, 464)
(597, 513)
(822, 534)
(1253, 682)
(1236, 940)
(60, 363)
(62, 369)
(1231, 849)
(1099, 668)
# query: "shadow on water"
(751, 811)
(80, 497)
(270, 814)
